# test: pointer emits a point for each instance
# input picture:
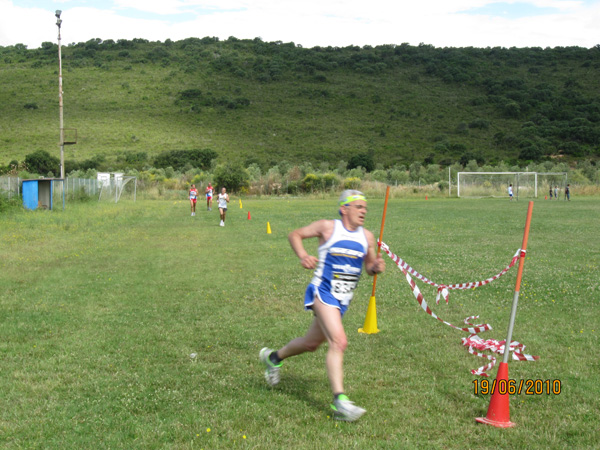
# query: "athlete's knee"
(339, 343)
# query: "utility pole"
(60, 100)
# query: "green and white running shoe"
(344, 409)
(272, 370)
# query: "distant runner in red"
(209, 196)
(193, 195)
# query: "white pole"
(458, 184)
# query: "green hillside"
(255, 101)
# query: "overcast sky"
(441, 23)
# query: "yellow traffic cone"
(241, 203)
(370, 325)
(268, 228)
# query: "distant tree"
(177, 159)
(231, 176)
(364, 160)
(136, 157)
(511, 109)
(42, 162)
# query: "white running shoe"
(271, 371)
(222, 224)
(344, 409)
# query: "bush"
(178, 159)
(352, 183)
(482, 124)
(379, 175)
(42, 162)
(311, 182)
(329, 180)
(231, 176)
(364, 160)
(8, 203)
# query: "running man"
(344, 245)
(209, 196)
(193, 196)
(510, 191)
(223, 200)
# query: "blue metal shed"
(39, 193)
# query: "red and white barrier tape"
(474, 342)
(442, 289)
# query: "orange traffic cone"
(425, 197)
(248, 215)
(545, 197)
(498, 413)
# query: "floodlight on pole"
(60, 99)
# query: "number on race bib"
(343, 285)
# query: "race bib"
(343, 285)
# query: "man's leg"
(311, 341)
(307, 343)
(330, 321)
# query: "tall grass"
(103, 307)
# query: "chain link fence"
(77, 189)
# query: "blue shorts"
(313, 292)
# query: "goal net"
(496, 184)
(554, 182)
(115, 185)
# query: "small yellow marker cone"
(268, 228)
(370, 326)
(240, 203)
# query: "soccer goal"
(113, 185)
(496, 184)
(552, 184)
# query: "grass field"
(102, 306)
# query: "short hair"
(349, 195)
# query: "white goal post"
(112, 186)
(495, 184)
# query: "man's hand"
(378, 266)
(309, 262)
